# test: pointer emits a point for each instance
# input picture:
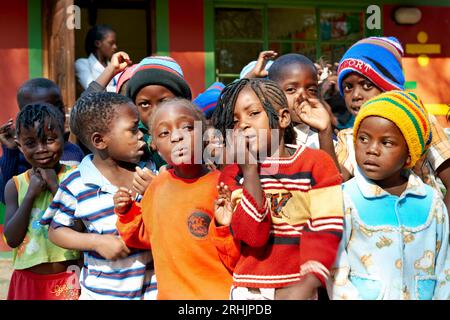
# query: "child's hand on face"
(50, 178)
(142, 179)
(245, 150)
(122, 200)
(305, 289)
(37, 184)
(223, 208)
(313, 113)
(259, 70)
(7, 135)
(111, 247)
(119, 61)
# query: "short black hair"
(181, 101)
(94, 112)
(270, 95)
(97, 32)
(277, 69)
(39, 112)
(32, 86)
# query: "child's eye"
(362, 138)
(290, 90)
(388, 143)
(144, 104)
(313, 91)
(163, 134)
(254, 113)
(347, 87)
(367, 85)
(188, 127)
(50, 140)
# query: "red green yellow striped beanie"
(408, 113)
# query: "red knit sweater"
(298, 229)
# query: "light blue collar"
(90, 175)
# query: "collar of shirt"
(90, 175)
(370, 190)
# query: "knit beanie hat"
(125, 76)
(207, 100)
(157, 70)
(251, 65)
(376, 58)
(408, 113)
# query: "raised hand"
(223, 208)
(8, 135)
(37, 184)
(142, 179)
(122, 200)
(120, 60)
(313, 113)
(259, 70)
(50, 178)
(111, 247)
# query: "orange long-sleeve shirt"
(175, 218)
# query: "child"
(177, 209)
(107, 123)
(12, 162)
(396, 233)
(40, 267)
(155, 80)
(287, 208)
(372, 66)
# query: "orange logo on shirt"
(198, 224)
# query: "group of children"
(281, 208)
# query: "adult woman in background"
(100, 45)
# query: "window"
(241, 33)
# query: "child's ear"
(284, 118)
(97, 43)
(408, 160)
(98, 141)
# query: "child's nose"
(176, 136)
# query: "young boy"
(372, 66)
(107, 123)
(177, 209)
(12, 162)
(396, 231)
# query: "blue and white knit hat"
(158, 70)
(207, 100)
(376, 58)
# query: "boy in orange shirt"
(177, 209)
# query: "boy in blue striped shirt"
(107, 123)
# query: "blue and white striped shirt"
(87, 195)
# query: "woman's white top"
(88, 70)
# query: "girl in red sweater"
(283, 203)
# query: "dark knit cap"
(157, 70)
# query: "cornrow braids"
(39, 113)
(94, 112)
(270, 95)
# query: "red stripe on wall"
(13, 53)
(187, 47)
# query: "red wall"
(13, 53)
(186, 33)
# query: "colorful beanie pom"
(158, 70)
(207, 100)
(125, 76)
(376, 58)
(408, 113)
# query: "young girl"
(40, 267)
(177, 209)
(287, 207)
(396, 233)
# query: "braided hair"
(94, 112)
(270, 95)
(40, 113)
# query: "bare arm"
(108, 246)
(18, 217)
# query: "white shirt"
(88, 70)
